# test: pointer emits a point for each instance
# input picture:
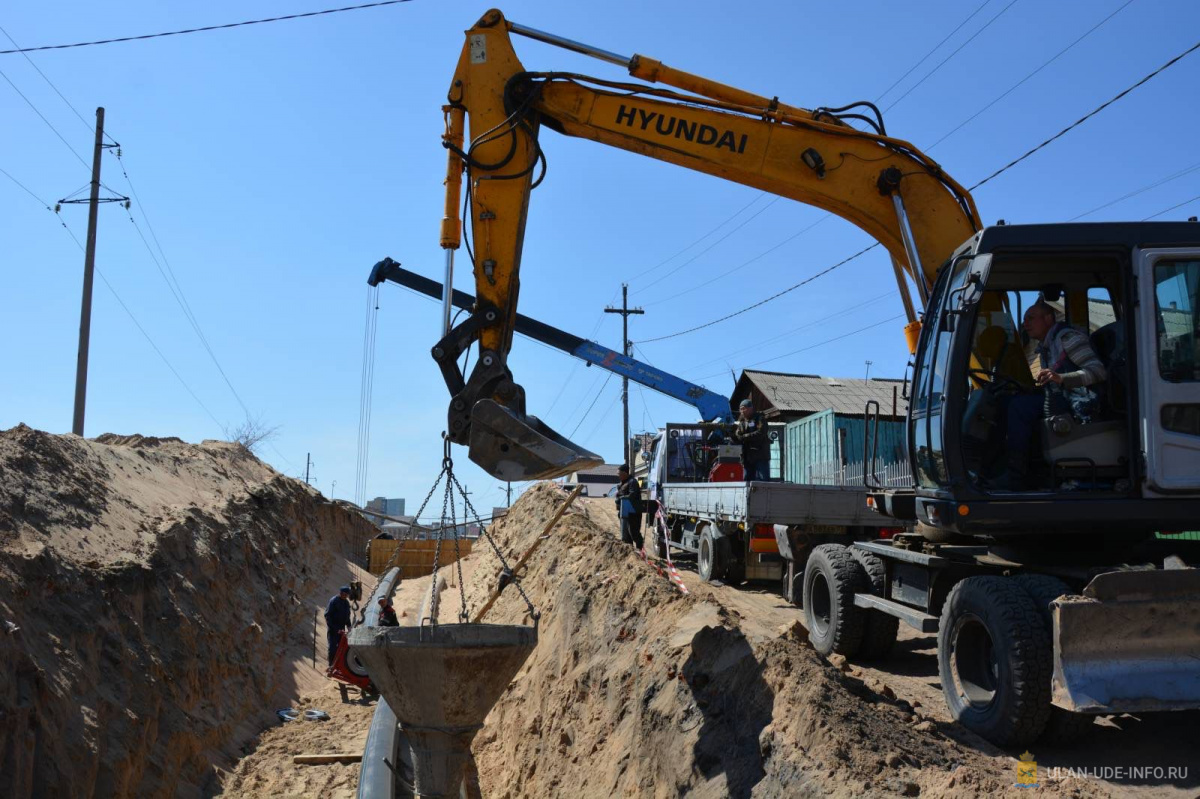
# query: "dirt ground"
(638, 690)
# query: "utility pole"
(868, 377)
(625, 312)
(89, 267)
(508, 492)
(307, 466)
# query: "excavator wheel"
(995, 660)
(880, 629)
(1064, 725)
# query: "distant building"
(596, 482)
(389, 507)
(498, 512)
(783, 397)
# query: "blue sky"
(276, 163)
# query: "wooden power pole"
(625, 312)
(89, 267)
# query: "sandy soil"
(164, 596)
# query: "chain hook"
(447, 461)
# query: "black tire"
(708, 555)
(735, 568)
(994, 660)
(831, 579)
(1064, 726)
(880, 629)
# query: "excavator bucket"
(1130, 644)
(514, 447)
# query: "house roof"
(805, 394)
(601, 472)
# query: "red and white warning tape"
(670, 572)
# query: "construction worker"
(750, 431)
(1070, 375)
(629, 507)
(337, 619)
(387, 613)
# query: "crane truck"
(1052, 601)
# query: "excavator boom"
(885, 186)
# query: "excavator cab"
(1083, 466)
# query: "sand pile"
(638, 690)
(164, 594)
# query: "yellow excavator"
(1052, 596)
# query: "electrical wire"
(1088, 115)
(1172, 208)
(74, 110)
(742, 265)
(956, 51)
(715, 228)
(61, 138)
(818, 344)
(744, 222)
(934, 49)
(204, 29)
(1016, 85)
(1175, 176)
(760, 303)
(593, 405)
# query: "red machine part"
(346, 669)
(729, 472)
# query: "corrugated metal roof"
(790, 394)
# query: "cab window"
(1177, 296)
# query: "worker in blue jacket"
(337, 618)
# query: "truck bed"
(772, 503)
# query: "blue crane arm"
(712, 406)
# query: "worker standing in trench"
(337, 618)
(629, 507)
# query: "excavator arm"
(493, 116)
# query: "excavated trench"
(157, 603)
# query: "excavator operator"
(1071, 375)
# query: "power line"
(176, 288)
(932, 51)
(775, 296)
(1016, 85)
(1175, 176)
(1087, 116)
(48, 124)
(818, 344)
(27, 190)
(715, 228)
(146, 335)
(1172, 208)
(791, 331)
(943, 62)
(742, 265)
(74, 110)
(593, 405)
(744, 222)
(204, 29)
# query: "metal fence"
(835, 473)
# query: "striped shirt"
(1067, 346)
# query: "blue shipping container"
(816, 443)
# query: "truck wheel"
(735, 569)
(880, 629)
(708, 555)
(1064, 726)
(831, 579)
(994, 660)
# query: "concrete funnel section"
(441, 681)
